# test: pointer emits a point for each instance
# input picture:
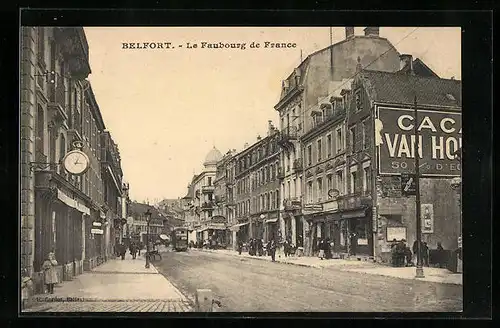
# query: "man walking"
(272, 249)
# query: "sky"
(167, 108)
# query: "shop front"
(356, 231)
(271, 227)
(240, 232)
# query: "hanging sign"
(96, 224)
(97, 231)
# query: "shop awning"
(73, 203)
(273, 220)
(202, 229)
(354, 214)
(236, 227)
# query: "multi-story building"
(324, 167)
(138, 225)
(204, 199)
(223, 193)
(188, 211)
(381, 122)
(305, 87)
(257, 194)
(115, 191)
(57, 108)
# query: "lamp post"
(148, 219)
(419, 268)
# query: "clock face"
(76, 162)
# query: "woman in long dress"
(49, 268)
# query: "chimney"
(349, 32)
(371, 31)
(258, 138)
(406, 61)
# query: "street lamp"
(148, 219)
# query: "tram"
(179, 239)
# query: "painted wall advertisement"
(440, 137)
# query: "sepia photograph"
(240, 169)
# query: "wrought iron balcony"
(297, 165)
(207, 189)
(287, 135)
(207, 206)
(292, 204)
(281, 173)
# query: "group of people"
(134, 248)
(402, 255)
(325, 247)
(256, 248)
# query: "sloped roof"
(402, 88)
(138, 209)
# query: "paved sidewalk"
(126, 282)
(431, 274)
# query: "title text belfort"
(209, 45)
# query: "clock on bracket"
(76, 162)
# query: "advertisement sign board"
(396, 233)
(427, 213)
(440, 137)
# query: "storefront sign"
(96, 224)
(427, 215)
(408, 184)
(97, 231)
(396, 233)
(440, 136)
(313, 208)
(362, 241)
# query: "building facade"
(224, 196)
(257, 194)
(307, 86)
(138, 225)
(382, 121)
(204, 201)
(57, 110)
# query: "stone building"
(301, 92)
(138, 225)
(380, 122)
(57, 109)
(224, 195)
(257, 194)
(204, 200)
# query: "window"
(320, 190)
(339, 140)
(366, 179)
(277, 195)
(288, 189)
(329, 182)
(309, 191)
(41, 44)
(352, 138)
(359, 103)
(268, 201)
(353, 182)
(365, 134)
(288, 162)
(40, 124)
(309, 155)
(294, 184)
(340, 181)
(320, 150)
(329, 146)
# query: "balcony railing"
(207, 205)
(291, 204)
(297, 165)
(281, 173)
(207, 189)
(288, 134)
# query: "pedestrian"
(286, 248)
(272, 249)
(260, 247)
(251, 250)
(425, 254)
(133, 250)
(123, 251)
(440, 255)
(328, 249)
(321, 247)
(240, 246)
(50, 273)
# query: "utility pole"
(419, 273)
